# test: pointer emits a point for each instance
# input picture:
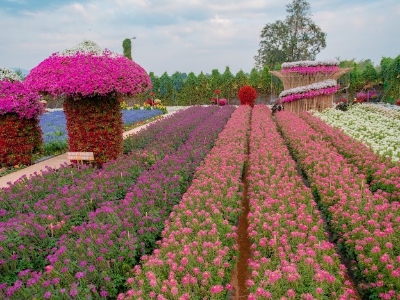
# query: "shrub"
(247, 95)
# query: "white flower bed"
(380, 132)
(310, 63)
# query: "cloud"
(188, 35)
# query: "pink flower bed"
(381, 173)
(366, 225)
(198, 250)
(309, 94)
(311, 69)
(292, 256)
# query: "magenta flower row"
(366, 225)
(16, 97)
(85, 75)
(292, 257)
(381, 173)
(309, 94)
(198, 250)
(311, 69)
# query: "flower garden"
(214, 202)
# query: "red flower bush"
(222, 102)
(20, 133)
(397, 102)
(19, 139)
(99, 132)
(247, 95)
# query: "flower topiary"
(247, 95)
(20, 133)
(89, 77)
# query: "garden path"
(57, 161)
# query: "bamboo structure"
(292, 80)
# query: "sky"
(189, 35)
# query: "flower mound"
(20, 134)
(247, 95)
(17, 98)
(88, 74)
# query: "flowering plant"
(85, 74)
(397, 102)
(326, 87)
(9, 74)
(16, 97)
(85, 47)
(311, 67)
(247, 95)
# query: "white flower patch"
(306, 88)
(85, 47)
(9, 74)
(310, 63)
(380, 132)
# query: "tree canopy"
(294, 39)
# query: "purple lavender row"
(94, 257)
(39, 229)
(381, 173)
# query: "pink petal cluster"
(292, 255)
(309, 94)
(311, 69)
(88, 74)
(366, 224)
(16, 97)
(198, 248)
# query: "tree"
(296, 38)
(127, 46)
(227, 84)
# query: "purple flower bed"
(101, 192)
(54, 129)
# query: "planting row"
(198, 251)
(381, 173)
(292, 257)
(372, 127)
(72, 205)
(365, 225)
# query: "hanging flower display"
(247, 95)
(311, 67)
(20, 133)
(326, 87)
(90, 79)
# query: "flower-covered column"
(92, 81)
(20, 133)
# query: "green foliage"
(127, 46)
(296, 38)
